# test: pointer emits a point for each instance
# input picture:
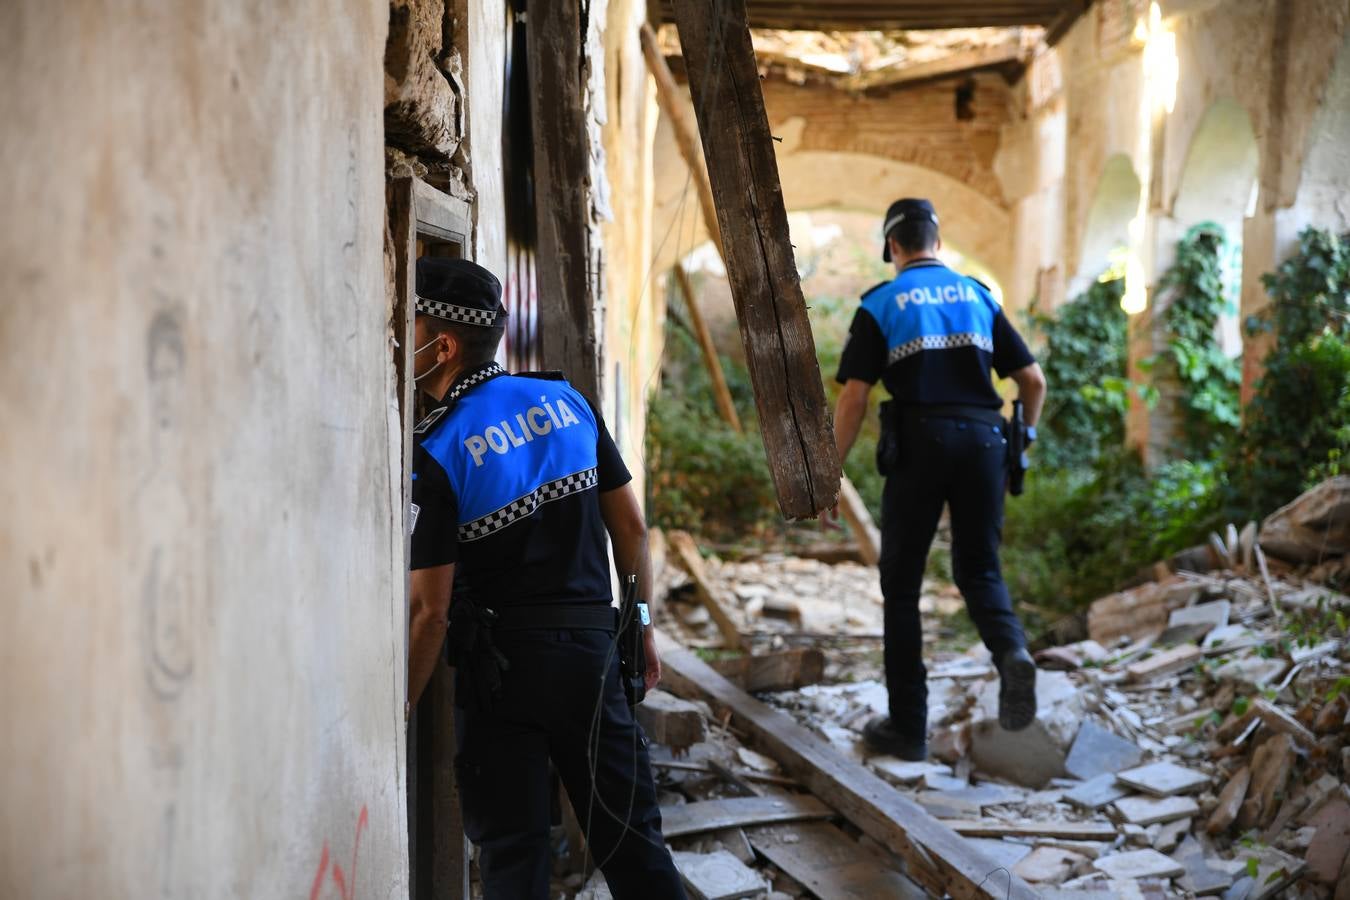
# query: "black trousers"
(561, 701)
(961, 463)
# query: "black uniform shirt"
(507, 475)
(931, 336)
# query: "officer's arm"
(848, 415)
(1030, 390)
(627, 529)
(429, 611)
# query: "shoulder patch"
(432, 418)
(879, 284)
(551, 375)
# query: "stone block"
(671, 721)
(1097, 751)
(1135, 864)
(718, 876)
(1049, 865)
(1313, 527)
(905, 774)
(1097, 792)
(1163, 779)
(1036, 754)
(1152, 810)
(1330, 845)
(422, 111)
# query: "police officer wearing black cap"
(932, 336)
(516, 483)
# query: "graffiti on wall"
(330, 874)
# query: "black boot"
(1017, 690)
(882, 736)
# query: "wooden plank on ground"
(739, 812)
(562, 191)
(937, 857)
(832, 865)
(785, 670)
(794, 417)
(1062, 831)
(711, 596)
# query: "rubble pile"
(1196, 743)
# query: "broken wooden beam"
(794, 417)
(711, 596)
(673, 103)
(739, 812)
(562, 188)
(936, 856)
(785, 670)
(860, 521)
(721, 395)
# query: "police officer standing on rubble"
(515, 483)
(931, 336)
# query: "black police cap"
(906, 209)
(458, 290)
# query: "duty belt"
(555, 615)
(911, 414)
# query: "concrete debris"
(1163, 779)
(1313, 527)
(1139, 864)
(1097, 751)
(1154, 769)
(668, 720)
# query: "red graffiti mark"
(345, 891)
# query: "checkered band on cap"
(462, 314)
(488, 372)
(942, 342)
(526, 506)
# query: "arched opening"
(1106, 237)
(1218, 184)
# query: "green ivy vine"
(1209, 379)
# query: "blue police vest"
(510, 446)
(930, 307)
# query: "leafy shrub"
(1083, 356)
(1297, 427)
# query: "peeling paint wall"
(201, 669)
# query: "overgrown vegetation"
(1091, 516)
(1207, 376)
(1297, 428)
(1084, 362)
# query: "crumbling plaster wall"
(202, 666)
(633, 328)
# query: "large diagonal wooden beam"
(794, 418)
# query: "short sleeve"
(1010, 351)
(864, 356)
(434, 515)
(613, 473)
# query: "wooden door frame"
(419, 213)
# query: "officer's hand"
(652, 676)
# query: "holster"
(470, 648)
(633, 620)
(888, 444)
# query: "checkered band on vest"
(942, 342)
(527, 505)
(490, 371)
(462, 314)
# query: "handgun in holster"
(1017, 451)
(888, 441)
(634, 618)
(472, 651)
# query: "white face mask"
(429, 343)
